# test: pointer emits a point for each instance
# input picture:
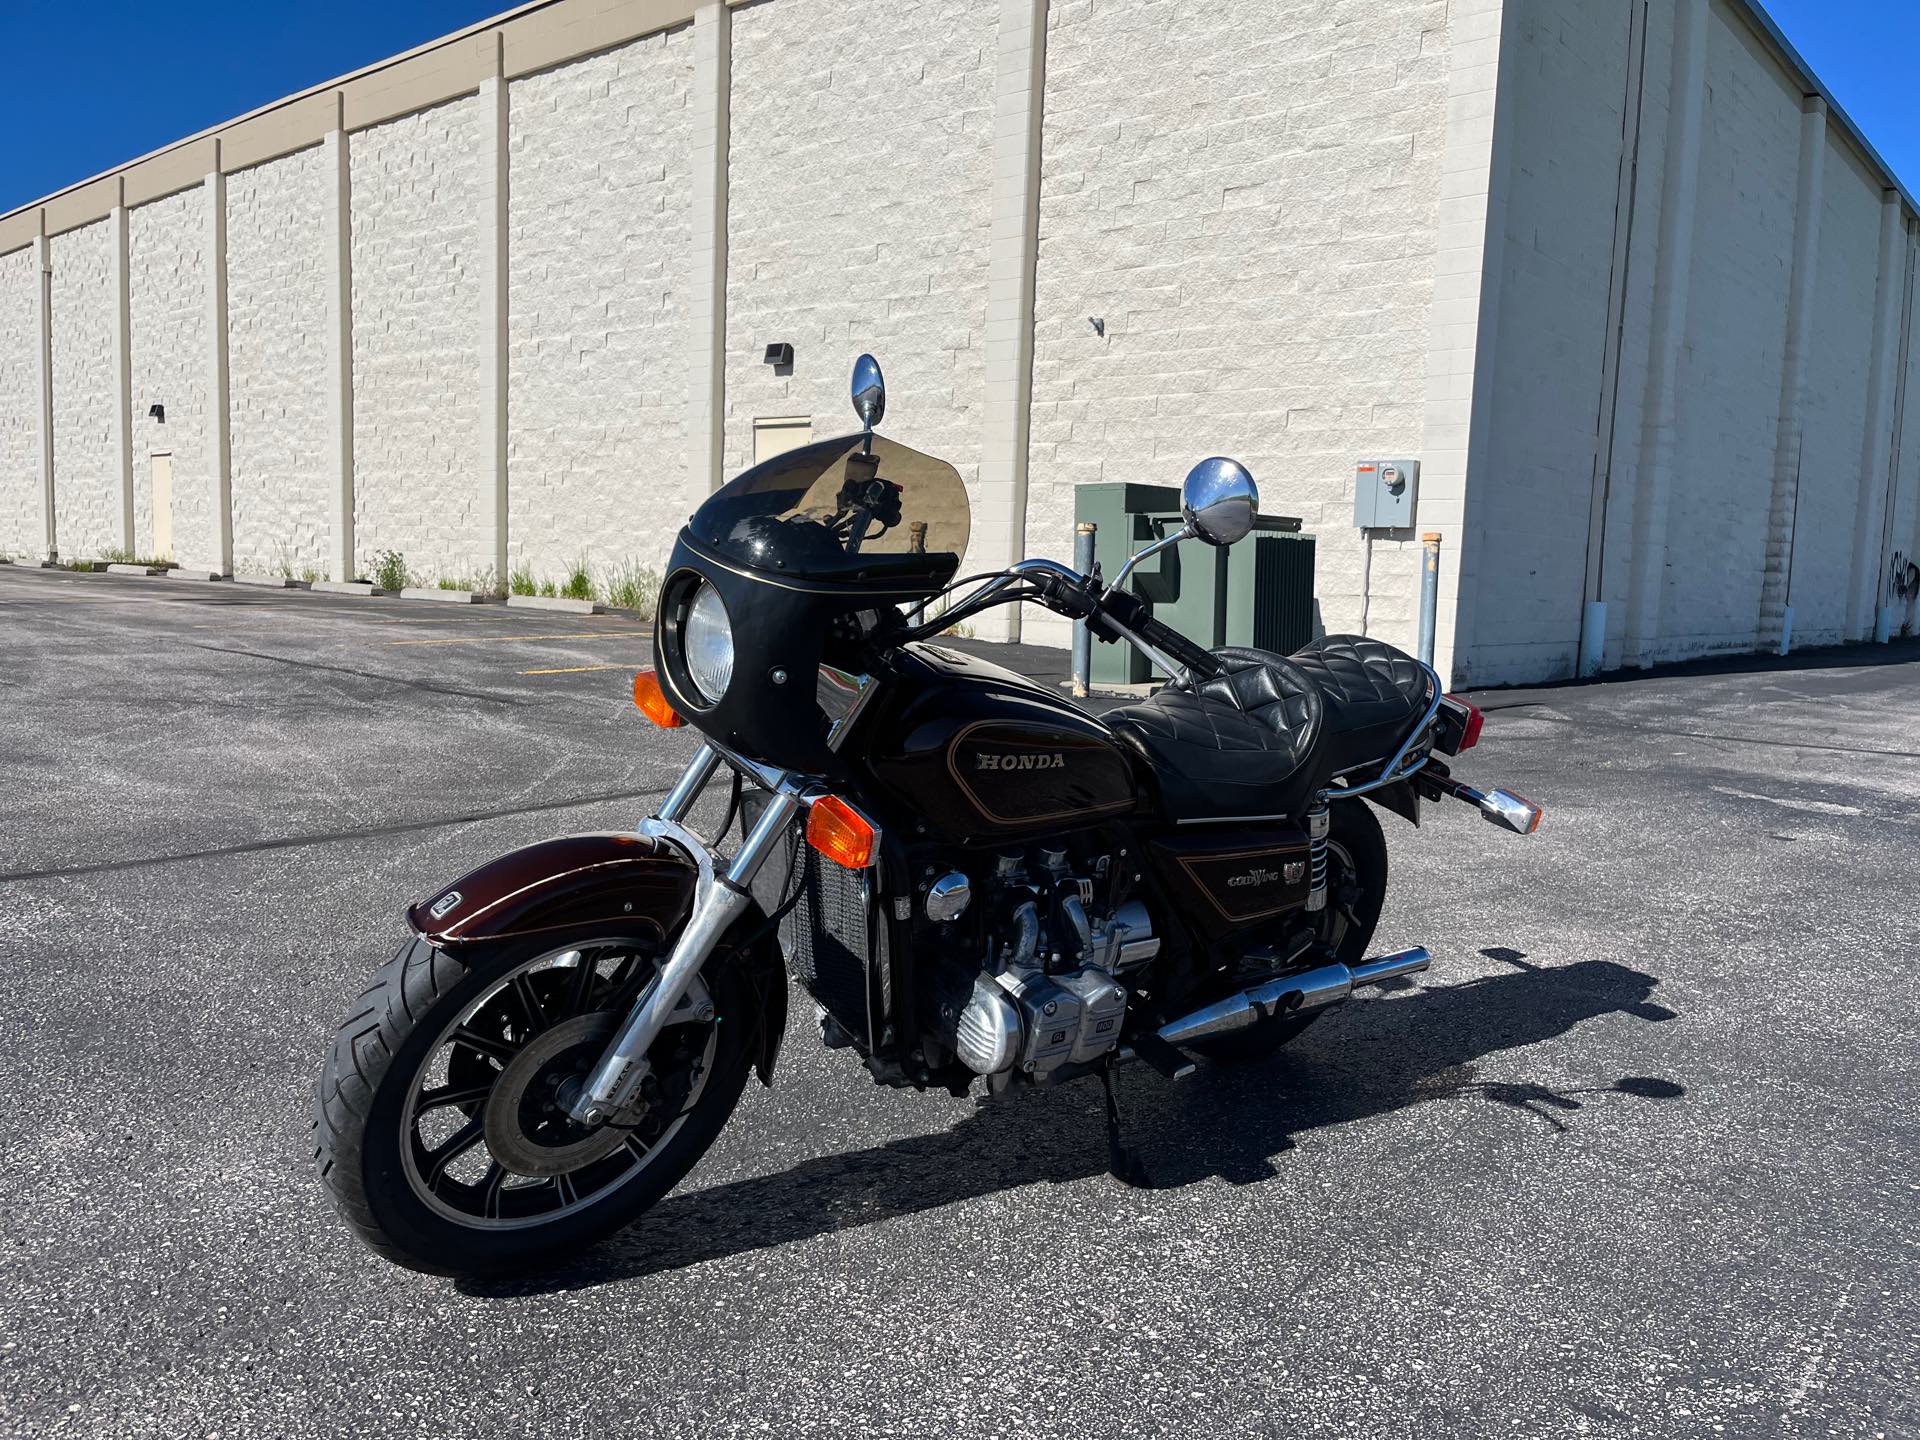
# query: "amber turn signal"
(841, 833)
(653, 702)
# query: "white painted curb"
(445, 597)
(270, 582)
(134, 570)
(346, 587)
(195, 575)
(555, 602)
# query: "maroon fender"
(617, 880)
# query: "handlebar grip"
(1197, 658)
(1122, 608)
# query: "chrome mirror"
(1218, 499)
(869, 391)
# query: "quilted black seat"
(1371, 692)
(1243, 743)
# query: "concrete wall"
(598, 226)
(166, 244)
(20, 534)
(1730, 366)
(1298, 232)
(1569, 403)
(86, 457)
(858, 216)
(1899, 586)
(1245, 194)
(276, 336)
(1836, 400)
(416, 324)
(1557, 279)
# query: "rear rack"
(1397, 767)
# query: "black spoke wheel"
(1356, 889)
(442, 1126)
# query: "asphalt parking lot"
(1639, 1155)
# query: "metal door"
(162, 495)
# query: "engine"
(1029, 977)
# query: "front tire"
(1356, 890)
(439, 1125)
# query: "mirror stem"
(1165, 542)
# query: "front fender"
(589, 882)
(614, 879)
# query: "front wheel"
(1356, 889)
(440, 1124)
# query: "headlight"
(706, 639)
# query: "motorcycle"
(981, 886)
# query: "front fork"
(718, 900)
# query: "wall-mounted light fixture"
(779, 354)
(157, 412)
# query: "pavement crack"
(426, 685)
(331, 837)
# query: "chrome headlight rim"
(706, 643)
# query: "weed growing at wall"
(390, 570)
(632, 586)
(520, 580)
(579, 583)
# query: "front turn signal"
(653, 701)
(842, 833)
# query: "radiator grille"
(826, 940)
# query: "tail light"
(1470, 734)
(652, 701)
(842, 833)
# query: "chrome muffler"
(1290, 995)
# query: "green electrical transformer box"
(1258, 593)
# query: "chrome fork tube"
(718, 901)
(691, 782)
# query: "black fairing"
(976, 754)
(775, 629)
(801, 547)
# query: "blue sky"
(90, 83)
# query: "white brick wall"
(1729, 376)
(416, 325)
(20, 534)
(1836, 398)
(1904, 536)
(1278, 209)
(597, 387)
(86, 461)
(858, 216)
(168, 306)
(1531, 498)
(276, 334)
(1246, 194)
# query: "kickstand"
(1122, 1163)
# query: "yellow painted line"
(576, 669)
(483, 639)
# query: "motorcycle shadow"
(1227, 1120)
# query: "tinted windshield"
(832, 511)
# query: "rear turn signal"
(1511, 811)
(653, 702)
(841, 833)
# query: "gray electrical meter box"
(1383, 492)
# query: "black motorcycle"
(977, 882)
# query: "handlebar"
(1109, 612)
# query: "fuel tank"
(976, 753)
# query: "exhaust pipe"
(1291, 994)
